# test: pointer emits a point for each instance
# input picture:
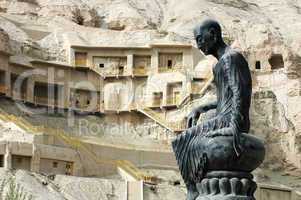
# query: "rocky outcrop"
(60, 187)
(4, 38)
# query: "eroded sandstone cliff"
(267, 32)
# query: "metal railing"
(170, 69)
(114, 72)
(155, 103)
(186, 101)
(140, 71)
(80, 62)
(195, 89)
(45, 101)
(173, 100)
(87, 108)
(184, 104)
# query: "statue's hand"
(220, 132)
(193, 117)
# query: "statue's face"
(205, 40)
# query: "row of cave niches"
(276, 62)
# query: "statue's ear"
(212, 33)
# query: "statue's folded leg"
(188, 153)
(190, 156)
(181, 147)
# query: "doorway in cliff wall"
(276, 61)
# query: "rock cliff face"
(267, 32)
(4, 45)
(39, 187)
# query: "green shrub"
(15, 191)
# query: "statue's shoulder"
(234, 57)
(232, 54)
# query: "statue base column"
(227, 185)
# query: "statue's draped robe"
(233, 85)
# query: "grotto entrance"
(276, 61)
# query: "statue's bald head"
(208, 36)
(206, 25)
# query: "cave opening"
(276, 61)
(257, 65)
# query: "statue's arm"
(193, 117)
(208, 106)
(232, 72)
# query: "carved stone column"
(8, 156)
(227, 185)
(35, 159)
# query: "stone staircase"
(75, 143)
(187, 98)
(158, 118)
(185, 104)
(98, 71)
